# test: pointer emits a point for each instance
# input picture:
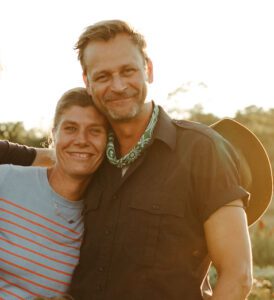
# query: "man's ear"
(149, 70)
(86, 80)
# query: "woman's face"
(80, 140)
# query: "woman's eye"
(96, 130)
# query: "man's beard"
(119, 114)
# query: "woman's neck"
(71, 188)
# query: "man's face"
(117, 77)
(80, 140)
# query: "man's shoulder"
(189, 124)
(195, 129)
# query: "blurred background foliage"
(16, 133)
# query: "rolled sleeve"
(216, 177)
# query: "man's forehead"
(108, 51)
(113, 61)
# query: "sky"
(220, 52)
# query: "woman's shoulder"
(9, 170)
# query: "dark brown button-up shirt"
(144, 236)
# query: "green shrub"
(262, 238)
(263, 283)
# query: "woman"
(40, 221)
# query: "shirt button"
(114, 197)
(156, 206)
(101, 269)
(107, 232)
(196, 253)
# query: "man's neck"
(129, 133)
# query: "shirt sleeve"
(216, 175)
(12, 153)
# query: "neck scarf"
(138, 148)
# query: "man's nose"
(118, 84)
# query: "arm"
(229, 248)
(44, 157)
(12, 153)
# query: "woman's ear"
(52, 137)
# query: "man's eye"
(70, 128)
(129, 71)
(101, 78)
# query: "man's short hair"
(104, 31)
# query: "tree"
(16, 132)
(197, 114)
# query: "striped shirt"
(40, 235)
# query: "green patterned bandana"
(139, 147)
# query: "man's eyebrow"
(96, 73)
(100, 72)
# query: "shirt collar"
(165, 130)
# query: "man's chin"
(123, 115)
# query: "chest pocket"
(152, 226)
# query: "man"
(167, 200)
